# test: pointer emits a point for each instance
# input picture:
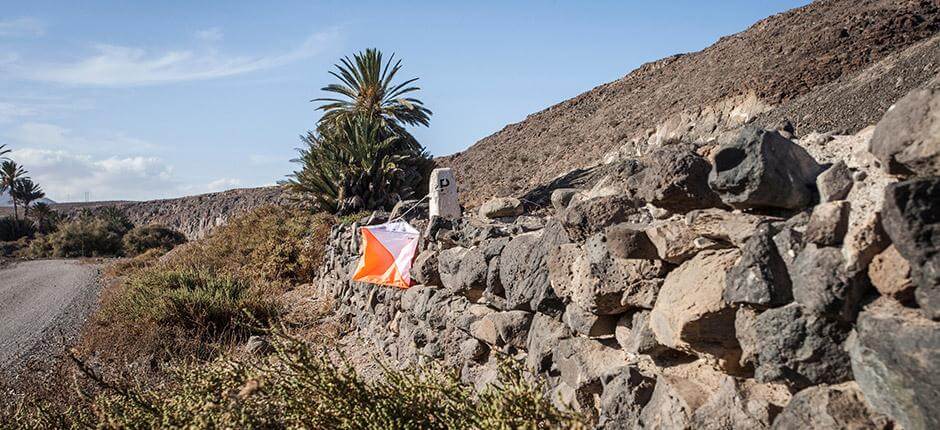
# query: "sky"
(118, 101)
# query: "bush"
(271, 245)
(302, 388)
(84, 237)
(14, 229)
(198, 302)
(141, 239)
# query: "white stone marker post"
(443, 192)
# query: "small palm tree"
(10, 172)
(45, 217)
(25, 191)
(361, 157)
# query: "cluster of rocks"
(767, 282)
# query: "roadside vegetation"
(167, 347)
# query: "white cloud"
(50, 136)
(210, 35)
(223, 184)
(122, 66)
(67, 176)
(10, 111)
(21, 27)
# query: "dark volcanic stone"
(624, 398)
(523, 270)
(896, 361)
(907, 139)
(840, 406)
(799, 348)
(911, 217)
(760, 277)
(823, 285)
(675, 179)
(762, 169)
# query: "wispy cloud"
(54, 137)
(210, 35)
(20, 27)
(122, 66)
(12, 111)
(65, 175)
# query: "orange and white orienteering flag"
(387, 253)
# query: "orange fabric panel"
(377, 265)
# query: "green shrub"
(302, 388)
(14, 229)
(141, 239)
(272, 245)
(84, 237)
(198, 302)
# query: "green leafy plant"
(361, 157)
(10, 173)
(24, 191)
(302, 387)
(144, 238)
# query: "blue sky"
(173, 98)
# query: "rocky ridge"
(831, 66)
(774, 280)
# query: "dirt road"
(43, 303)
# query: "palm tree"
(366, 89)
(10, 172)
(4, 151)
(25, 191)
(46, 217)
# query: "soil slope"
(765, 73)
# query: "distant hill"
(7, 201)
(831, 65)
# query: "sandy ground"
(43, 305)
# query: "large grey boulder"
(674, 400)
(760, 276)
(691, 314)
(545, 333)
(907, 139)
(679, 238)
(910, 217)
(896, 361)
(463, 271)
(822, 284)
(500, 207)
(605, 285)
(585, 217)
(523, 270)
(799, 348)
(675, 179)
(762, 169)
(623, 399)
(841, 406)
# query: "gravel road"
(41, 303)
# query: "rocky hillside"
(834, 65)
(194, 216)
(772, 281)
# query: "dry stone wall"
(773, 281)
